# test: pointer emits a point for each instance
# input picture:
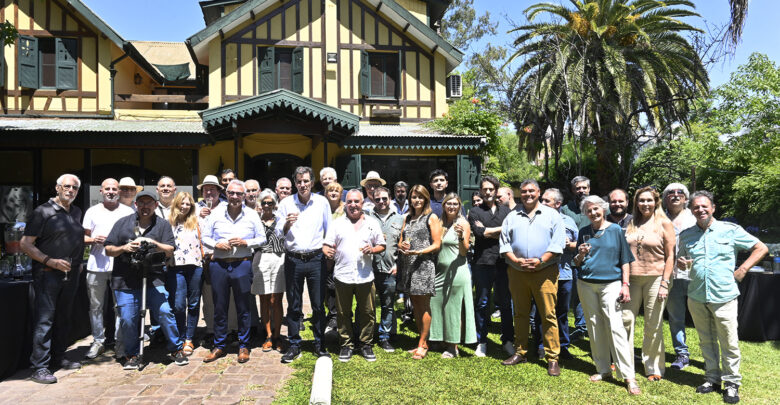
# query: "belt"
(233, 259)
(305, 256)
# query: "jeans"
(676, 307)
(313, 271)
(561, 312)
(487, 277)
(385, 286)
(53, 303)
(184, 286)
(129, 304)
(236, 277)
(574, 303)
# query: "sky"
(176, 20)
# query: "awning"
(410, 137)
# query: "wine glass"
(688, 261)
(586, 240)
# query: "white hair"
(594, 199)
(66, 175)
(326, 170)
(239, 182)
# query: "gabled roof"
(98, 22)
(212, 9)
(397, 13)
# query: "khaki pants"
(716, 325)
(542, 286)
(365, 312)
(605, 328)
(644, 290)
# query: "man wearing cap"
(283, 188)
(54, 240)
(166, 190)
(210, 190)
(127, 191)
(126, 237)
(371, 183)
(97, 223)
(232, 231)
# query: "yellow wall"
(93, 96)
(418, 8)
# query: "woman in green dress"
(452, 308)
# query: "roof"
(393, 10)
(280, 101)
(158, 53)
(98, 125)
(212, 9)
(98, 22)
(410, 137)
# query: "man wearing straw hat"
(371, 183)
(127, 191)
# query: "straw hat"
(372, 175)
(210, 180)
(129, 182)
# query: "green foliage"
(461, 26)
(469, 116)
(8, 33)
(507, 164)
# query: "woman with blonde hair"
(650, 235)
(333, 193)
(420, 240)
(185, 277)
(452, 308)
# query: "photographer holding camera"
(140, 243)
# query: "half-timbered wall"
(51, 19)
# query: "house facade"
(264, 87)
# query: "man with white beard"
(98, 221)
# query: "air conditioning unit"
(454, 86)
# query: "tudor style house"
(264, 87)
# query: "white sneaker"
(96, 349)
(509, 347)
(481, 350)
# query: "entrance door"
(269, 167)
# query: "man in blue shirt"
(580, 187)
(532, 239)
(709, 250)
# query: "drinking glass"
(70, 262)
(688, 261)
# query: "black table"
(759, 307)
(17, 299)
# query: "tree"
(739, 10)
(611, 73)
(461, 26)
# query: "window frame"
(396, 59)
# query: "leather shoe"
(243, 355)
(515, 359)
(215, 354)
(553, 369)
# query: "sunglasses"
(69, 186)
(267, 203)
(382, 199)
(236, 193)
(678, 192)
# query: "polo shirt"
(713, 251)
(58, 232)
(529, 237)
(123, 277)
(609, 251)
(486, 249)
(352, 266)
(391, 231)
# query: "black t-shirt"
(123, 276)
(486, 249)
(58, 231)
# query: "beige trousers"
(605, 327)
(716, 325)
(644, 291)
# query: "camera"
(145, 259)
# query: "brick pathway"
(103, 381)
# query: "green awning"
(174, 73)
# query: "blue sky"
(175, 20)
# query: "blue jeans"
(561, 312)
(53, 302)
(184, 284)
(236, 276)
(485, 278)
(128, 303)
(675, 308)
(385, 287)
(313, 271)
(579, 317)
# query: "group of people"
(537, 259)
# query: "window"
(48, 63)
(380, 74)
(281, 68)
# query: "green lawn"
(397, 379)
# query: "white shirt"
(99, 220)
(220, 227)
(352, 266)
(308, 231)
(683, 221)
(163, 212)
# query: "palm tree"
(739, 10)
(608, 71)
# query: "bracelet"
(627, 283)
(46, 259)
(665, 281)
(663, 286)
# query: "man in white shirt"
(304, 219)
(98, 221)
(166, 191)
(355, 238)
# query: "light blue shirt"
(713, 251)
(564, 266)
(308, 231)
(220, 227)
(530, 237)
(401, 209)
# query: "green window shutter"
(267, 69)
(468, 176)
(2, 69)
(28, 62)
(67, 71)
(349, 165)
(365, 71)
(400, 76)
(297, 70)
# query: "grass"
(397, 379)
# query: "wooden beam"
(378, 6)
(406, 27)
(163, 98)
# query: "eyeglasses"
(252, 190)
(267, 203)
(236, 193)
(381, 199)
(546, 200)
(69, 186)
(680, 192)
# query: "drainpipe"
(112, 72)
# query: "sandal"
(632, 387)
(420, 353)
(188, 348)
(268, 345)
(654, 377)
(600, 377)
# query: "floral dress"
(418, 272)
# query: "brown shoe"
(515, 359)
(215, 354)
(553, 369)
(243, 355)
(268, 345)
